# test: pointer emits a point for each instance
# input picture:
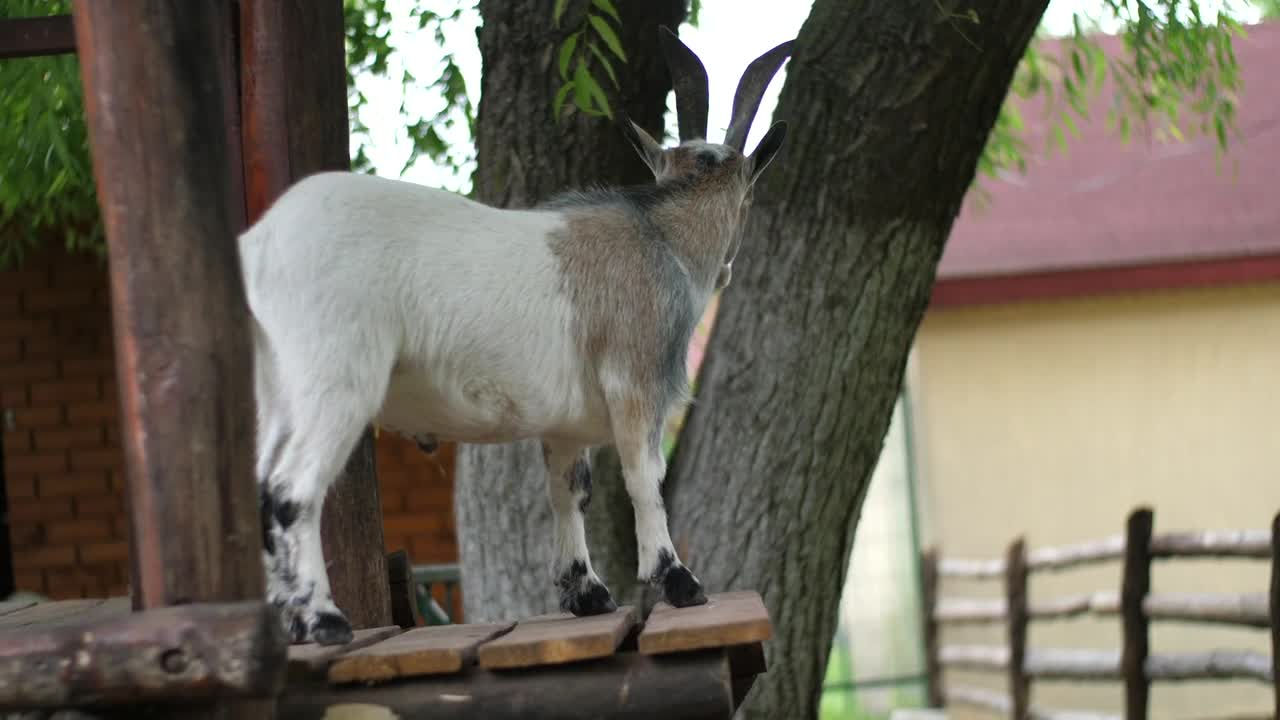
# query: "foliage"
(46, 179)
(1175, 60)
(580, 50)
(1270, 9)
(369, 51)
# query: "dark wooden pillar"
(157, 127)
(929, 624)
(1017, 615)
(1133, 590)
(157, 94)
(1275, 611)
(294, 107)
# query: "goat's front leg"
(569, 489)
(637, 435)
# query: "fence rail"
(1135, 605)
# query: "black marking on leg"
(579, 477)
(582, 595)
(297, 629)
(286, 512)
(265, 508)
(427, 443)
(666, 559)
(331, 629)
(681, 588)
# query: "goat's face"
(720, 173)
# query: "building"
(1104, 333)
(65, 532)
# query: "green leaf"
(597, 94)
(581, 93)
(608, 66)
(606, 33)
(557, 105)
(607, 6)
(558, 11)
(566, 54)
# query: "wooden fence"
(1135, 604)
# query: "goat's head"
(720, 169)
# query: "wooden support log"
(1248, 609)
(294, 107)
(627, 686)
(974, 657)
(1016, 624)
(1212, 544)
(155, 110)
(1213, 665)
(1074, 664)
(33, 37)
(404, 594)
(1072, 556)
(929, 607)
(970, 569)
(989, 700)
(1134, 587)
(186, 654)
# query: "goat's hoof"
(595, 599)
(331, 629)
(681, 588)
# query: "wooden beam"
(929, 610)
(1135, 586)
(157, 128)
(1015, 590)
(557, 639)
(294, 109)
(731, 618)
(1275, 610)
(33, 37)
(437, 650)
(184, 654)
(626, 686)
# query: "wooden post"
(294, 108)
(1134, 588)
(1275, 610)
(929, 623)
(1016, 615)
(155, 103)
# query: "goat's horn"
(751, 90)
(689, 78)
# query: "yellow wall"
(1054, 419)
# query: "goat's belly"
(482, 410)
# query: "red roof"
(1116, 209)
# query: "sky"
(729, 35)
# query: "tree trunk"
(890, 104)
(524, 157)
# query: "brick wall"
(62, 458)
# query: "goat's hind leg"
(637, 431)
(569, 489)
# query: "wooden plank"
(624, 686)
(312, 660)
(188, 653)
(12, 606)
(732, 618)
(1134, 588)
(557, 639)
(32, 37)
(1212, 544)
(423, 651)
(62, 612)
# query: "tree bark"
(525, 157)
(890, 104)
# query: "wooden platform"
(677, 663)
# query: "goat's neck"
(700, 227)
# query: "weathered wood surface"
(404, 595)
(1212, 543)
(1106, 665)
(157, 129)
(626, 686)
(1249, 609)
(187, 654)
(1212, 665)
(929, 610)
(422, 651)
(311, 661)
(998, 702)
(559, 638)
(1015, 588)
(1135, 585)
(294, 109)
(1275, 610)
(32, 37)
(12, 606)
(731, 618)
(43, 615)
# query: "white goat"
(438, 317)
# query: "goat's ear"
(768, 147)
(646, 147)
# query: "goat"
(441, 318)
